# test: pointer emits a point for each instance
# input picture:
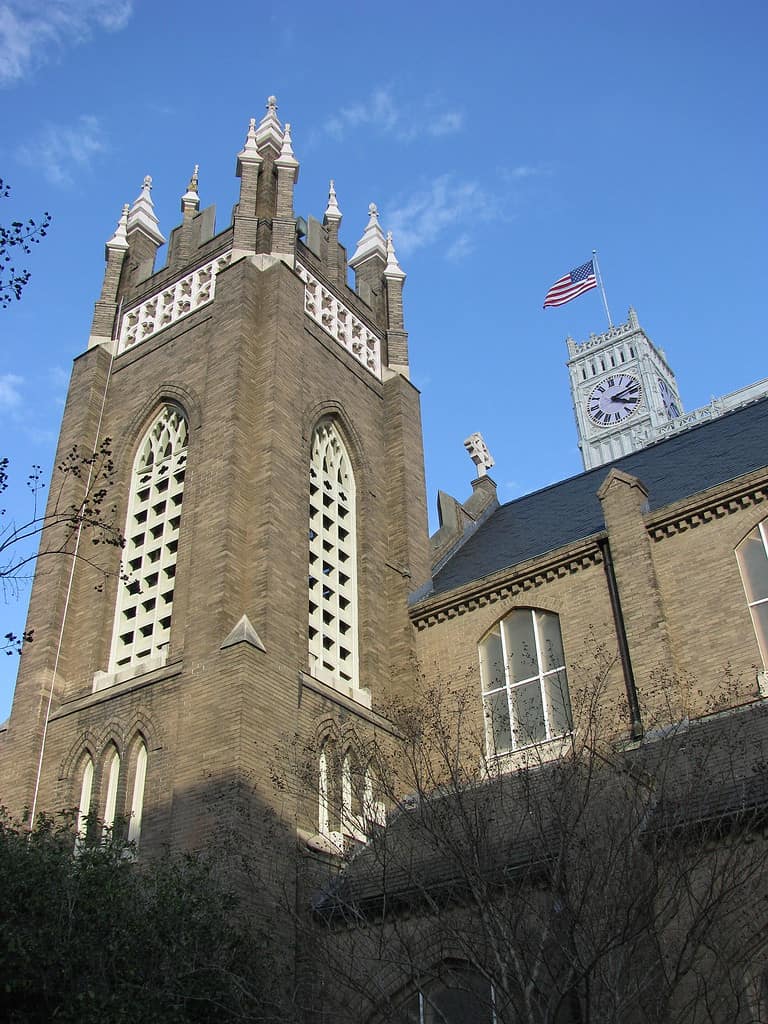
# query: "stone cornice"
(715, 503)
(507, 583)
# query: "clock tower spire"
(623, 390)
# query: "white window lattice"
(332, 561)
(143, 617)
(171, 304)
(340, 323)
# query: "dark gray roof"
(705, 777)
(676, 468)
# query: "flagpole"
(602, 287)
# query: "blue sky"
(502, 143)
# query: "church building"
(278, 585)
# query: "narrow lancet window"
(110, 800)
(84, 805)
(137, 801)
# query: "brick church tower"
(269, 485)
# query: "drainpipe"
(621, 635)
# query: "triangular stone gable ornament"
(244, 633)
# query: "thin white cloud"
(62, 152)
(32, 33)
(445, 212)
(385, 114)
(10, 395)
(524, 171)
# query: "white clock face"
(671, 407)
(613, 399)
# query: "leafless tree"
(79, 509)
(593, 880)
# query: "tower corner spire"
(190, 201)
(142, 215)
(270, 131)
(332, 212)
(371, 243)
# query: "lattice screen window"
(332, 561)
(143, 617)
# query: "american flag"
(568, 287)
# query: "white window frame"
(761, 631)
(542, 676)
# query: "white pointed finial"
(332, 211)
(270, 131)
(191, 197)
(250, 151)
(393, 270)
(286, 158)
(372, 243)
(119, 241)
(142, 213)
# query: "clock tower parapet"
(623, 391)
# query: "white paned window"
(84, 805)
(110, 801)
(525, 687)
(143, 617)
(137, 800)
(332, 561)
(752, 555)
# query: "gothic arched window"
(110, 798)
(143, 616)
(525, 687)
(332, 560)
(752, 555)
(84, 804)
(137, 800)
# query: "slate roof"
(679, 467)
(710, 775)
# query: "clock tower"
(623, 391)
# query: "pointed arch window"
(110, 799)
(752, 556)
(137, 800)
(332, 561)
(143, 615)
(84, 804)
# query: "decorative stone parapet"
(170, 304)
(340, 323)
